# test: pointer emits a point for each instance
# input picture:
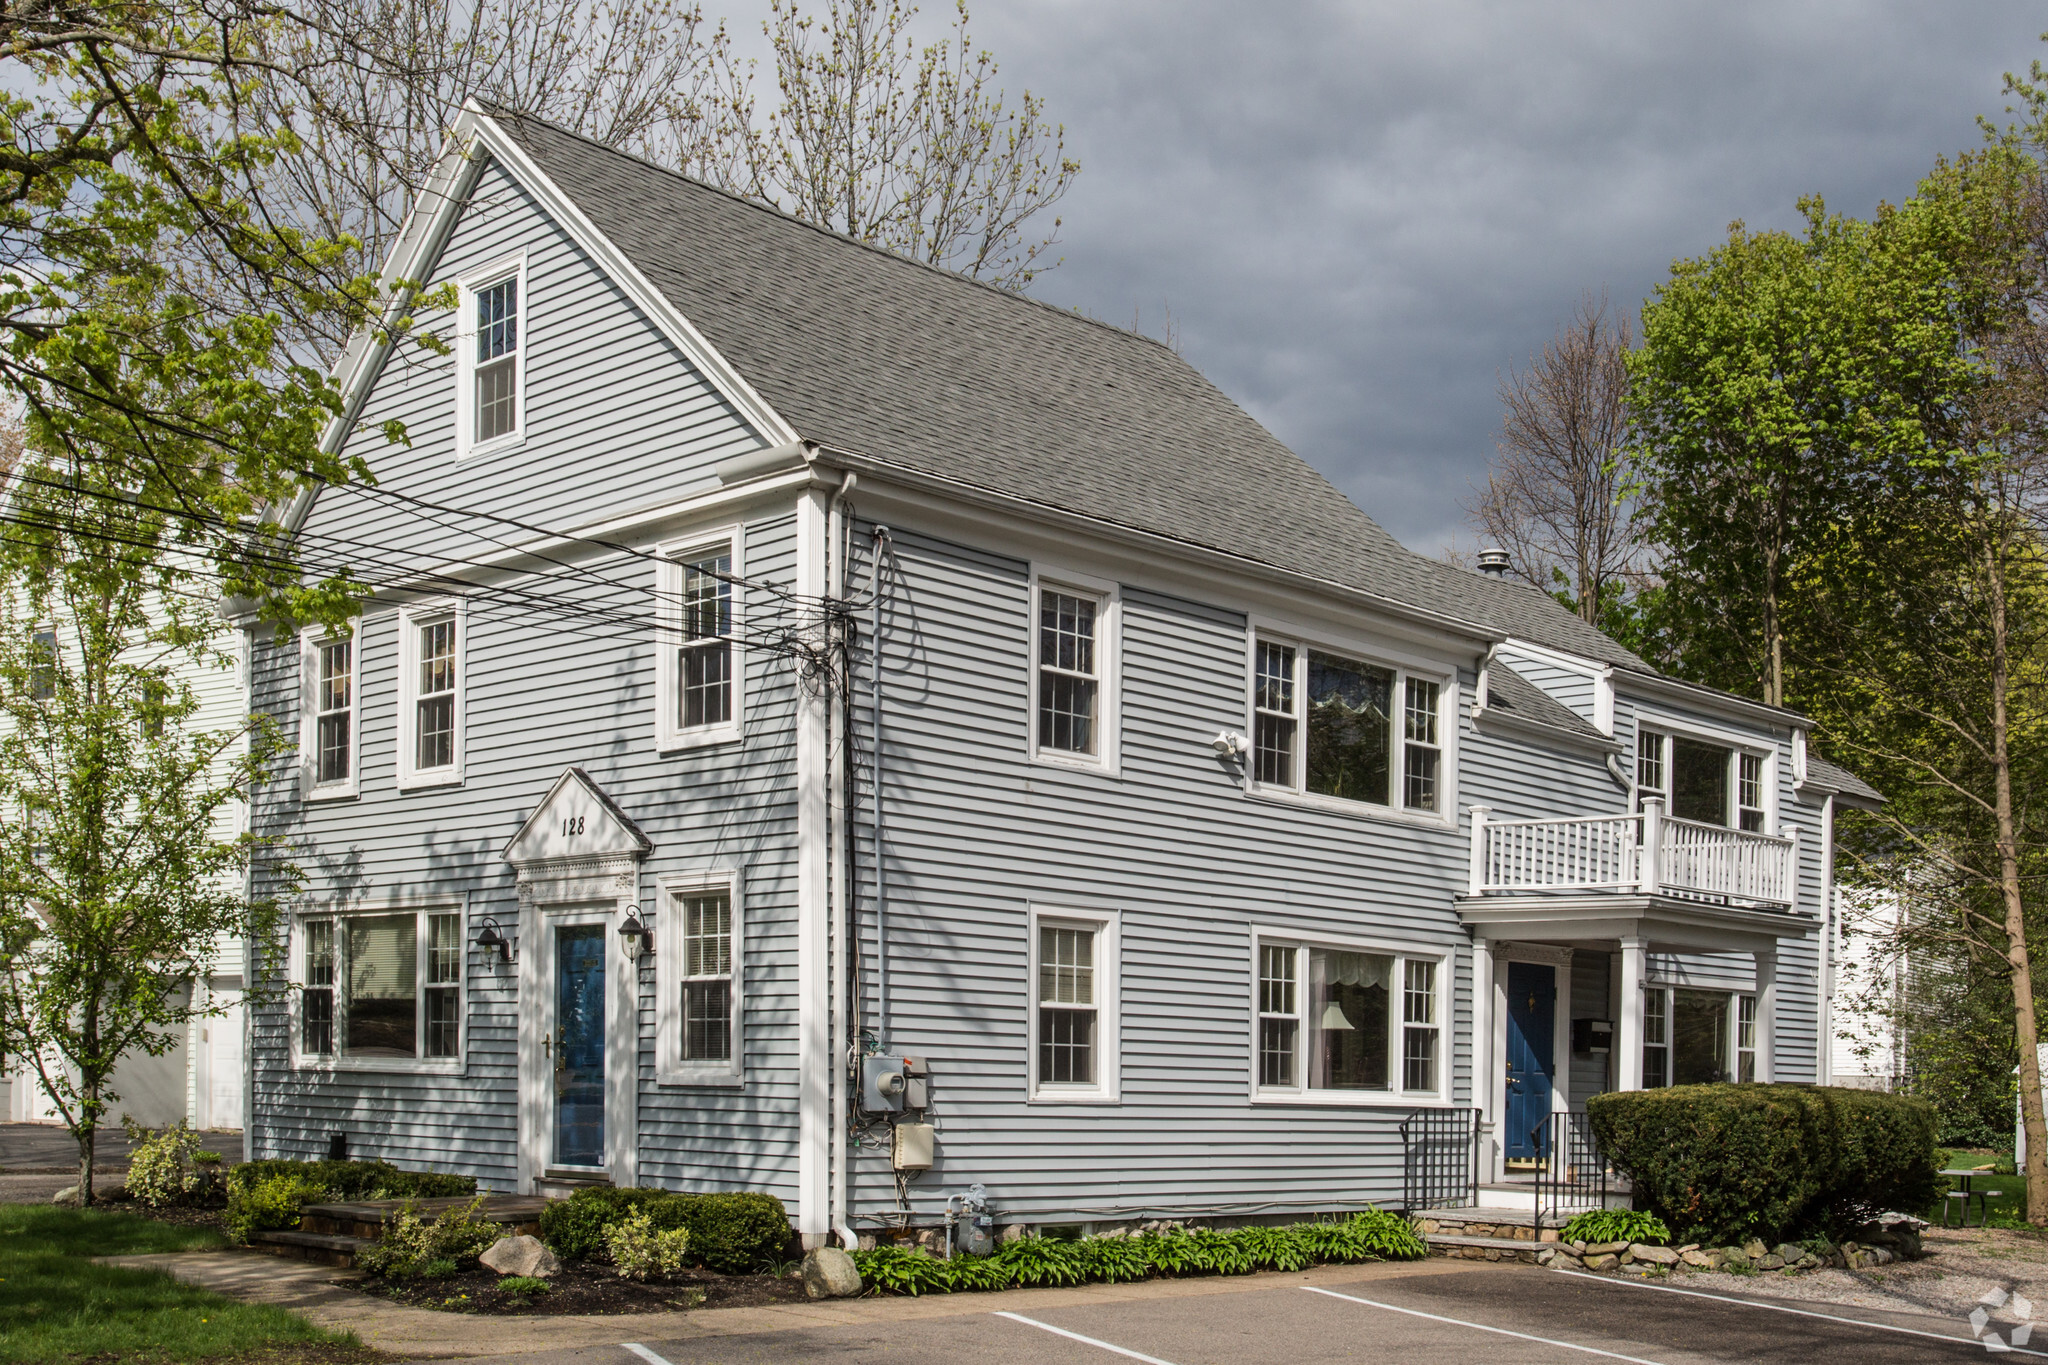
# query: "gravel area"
(1962, 1266)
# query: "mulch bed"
(210, 1215)
(584, 1288)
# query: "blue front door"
(1532, 1030)
(579, 1045)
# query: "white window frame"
(411, 620)
(1301, 1092)
(670, 735)
(1107, 928)
(1667, 990)
(1107, 757)
(311, 642)
(1404, 667)
(1736, 745)
(669, 1067)
(468, 286)
(421, 909)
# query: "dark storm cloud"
(1361, 214)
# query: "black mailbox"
(1592, 1035)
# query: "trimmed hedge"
(730, 1233)
(1031, 1262)
(1724, 1163)
(354, 1179)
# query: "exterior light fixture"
(490, 940)
(1230, 744)
(637, 937)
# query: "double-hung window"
(699, 965)
(1331, 725)
(491, 359)
(42, 665)
(1073, 1027)
(1337, 1022)
(431, 677)
(1697, 1037)
(699, 665)
(327, 704)
(1073, 683)
(1699, 780)
(381, 988)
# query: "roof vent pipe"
(1493, 562)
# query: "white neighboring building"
(1868, 1047)
(203, 1079)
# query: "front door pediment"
(576, 821)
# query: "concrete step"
(326, 1248)
(562, 1186)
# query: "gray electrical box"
(916, 1084)
(911, 1148)
(882, 1084)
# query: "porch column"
(1766, 1013)
(1485, 1091)
(1628, 1016)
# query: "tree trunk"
(88, 1137)
(2025, 1025)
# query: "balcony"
(1650, 854)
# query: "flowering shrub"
(166, 1167)
(414, 1247)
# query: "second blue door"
(1531, 1065)
(579, 1045)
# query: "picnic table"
(1965, 1191)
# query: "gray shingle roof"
(1832, 777)
(1509, 691)
(875, 354)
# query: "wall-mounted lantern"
(491, 941)
(636, 937)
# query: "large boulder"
(522, 1256)
(830, 1273)
(67, 1195)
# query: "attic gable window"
(490, 357)
(1330, 724)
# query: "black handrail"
(1439, 1159)
(1571, 1172)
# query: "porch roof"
(1663, 921)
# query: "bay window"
(1326, 724)
(381, 987)
(1333, 1022)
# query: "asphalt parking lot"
(1490, 1313)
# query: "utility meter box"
(883, 1082)
(911, 1149)
(1593, 1035)
(916, 1084)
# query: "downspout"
(875, 814)
(842, 910)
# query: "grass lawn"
(2009, 1209)
(55, 1303)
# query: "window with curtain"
(382, 986)
(1324, 724)
(1343, 1020)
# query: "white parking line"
(1804, 1313)
(637, 1349)
(1480, 1326)
(1076, 1336)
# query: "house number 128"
(572, 824)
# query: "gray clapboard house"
(784, 652)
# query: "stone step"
(366, 1218)
(1455, 1245)
(562, 1186)
(326, 1248)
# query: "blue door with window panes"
(579, 1045)
(1531, 1060)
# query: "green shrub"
(271, 1203)
(1723, 1163)
(166, 1167)
(1034, 1262)
(358, 1179)
(640, 1251)
(523, 1286)
(1617, 1225)
(729, 1233)
(414, 1246)
(1369, 1235)
(1112, 1260)
(899, 1270)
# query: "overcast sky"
(1362, 213)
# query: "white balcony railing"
(1647, 854)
